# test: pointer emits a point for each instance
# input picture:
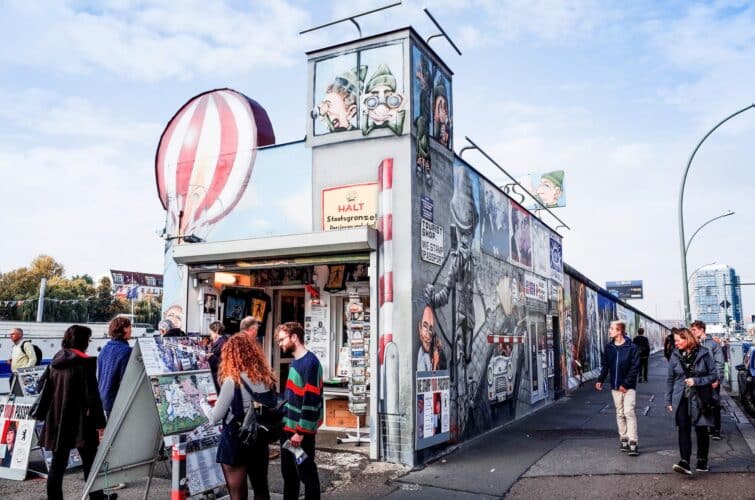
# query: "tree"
(23, 283)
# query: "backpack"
(37, 351)
(260, 424)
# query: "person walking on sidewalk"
(643, 346)
(698, 330)
(668, 344)
(303, 415)
(622, 360)
(690, 368)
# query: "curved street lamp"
(686, 249)
(682, 243)
(698, 269)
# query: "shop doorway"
(288, 306)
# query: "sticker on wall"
(431, 242)
(535, 287)
(426, 208)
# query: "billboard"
(625, 289)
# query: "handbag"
(709, 403)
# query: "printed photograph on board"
(180, 399)
(174, 354)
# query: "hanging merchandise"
(357, 325)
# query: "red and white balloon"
(205, 158)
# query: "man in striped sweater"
(303, 413)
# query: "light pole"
(696, 270)
(682, 243)
(687, 311)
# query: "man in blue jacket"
(621, 359)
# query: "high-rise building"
(717, 296)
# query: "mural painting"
(541, 249)
(494, 222)
(521, 236)
(596, 337)
(478, 316)
(431, 111)
(362, 90)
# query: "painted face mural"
(441, 112)
(382, 105)
(430, 356)
(338, 109)
(550, 188)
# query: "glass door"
(288, 306)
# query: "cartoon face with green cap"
(549, 189)
(383, 106)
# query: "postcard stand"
(359, 335)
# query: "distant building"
(717, 296)
(130, 284)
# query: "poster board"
(120, 457)
(25, 382)
(163, 355)
(17, 436)
(433, 409)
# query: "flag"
(133, 293)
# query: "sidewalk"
(570, 450)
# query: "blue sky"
(615, 93)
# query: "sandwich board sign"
(164, 393)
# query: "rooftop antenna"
(472, 145)
(442, 33)
(352, 19)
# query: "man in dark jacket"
(622, 360)
(643, 346)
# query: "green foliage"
(67, 300)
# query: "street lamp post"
(687, 311)
(682, 243)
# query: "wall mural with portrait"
(476, 314)
(431, 111)
(360, 90)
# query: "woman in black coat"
(71, 409)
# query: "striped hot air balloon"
(205, 158)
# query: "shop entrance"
(288, 306)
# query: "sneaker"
(715, 435)
(682, 467)
(702, 465)
(624, 446)
(633, 449)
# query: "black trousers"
(305, 472)
(58, 470)
(644, 368)
(684, 423)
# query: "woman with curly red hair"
(243, 371)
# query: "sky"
(617, 94)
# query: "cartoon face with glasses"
(382, 106)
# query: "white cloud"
(155, 41)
